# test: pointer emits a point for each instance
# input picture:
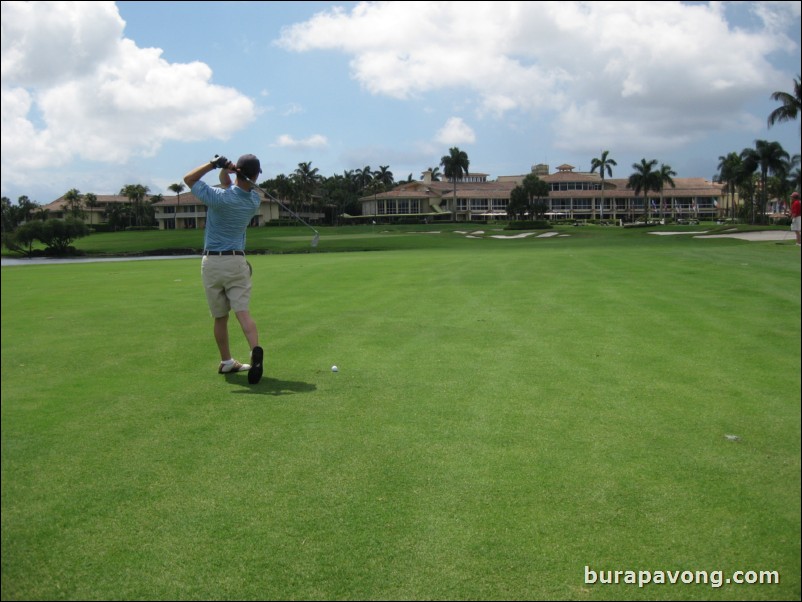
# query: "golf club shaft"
(269, 196)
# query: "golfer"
(795, 219)
(225, 272)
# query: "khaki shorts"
(227, 281)
(795, 224)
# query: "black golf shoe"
(257, 358)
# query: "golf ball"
(334, 368)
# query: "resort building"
(182, 211)
(572, 195)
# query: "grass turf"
(506, 414)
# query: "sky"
(99, 95)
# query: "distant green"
(506, 413)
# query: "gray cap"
(249, 166)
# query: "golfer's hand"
(219, 161)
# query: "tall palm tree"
(90, 200)
(73, 202)
(455, 165)
(382, 180)
(384, 175)
(136, 194)
(791, 105)
(645, 179)
(348, 174)
(769, 157)
(363, 177)
(664, 177)
(794, 173)
(603, 164)
(23, 210)
(177, 188)
(730, 169)
(781, 185)
(307, 179)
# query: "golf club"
(268, 196)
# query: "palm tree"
(90, 200)
(283, 186)
(664, 176)
(118, 215)
(794, 173)
(307, 179)
(535, 190)
(455, 164)
(382, 180)
(781, 184)
(21, 212)
(791, 105)
(136, 194)
(729, 169)
(177, 188)
(384, 175)
(435, 173)
(768, 157)
(518, 204)
(603, 164)
(73, 203)
(363, 177)
(645, 179)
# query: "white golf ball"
(334, 368)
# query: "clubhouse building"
(572, 196)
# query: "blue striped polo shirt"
(229, 212)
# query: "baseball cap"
(794, 195)
(249, 166)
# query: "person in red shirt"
(795, 213)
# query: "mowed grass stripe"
(503, 416)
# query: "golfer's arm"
(197, 173)
(225, 178)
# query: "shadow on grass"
(269, 386)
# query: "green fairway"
(507, 416)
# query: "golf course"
(555, 415)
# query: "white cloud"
(314, 141)
(292, 108)
(665, 69)
(73, 86)
(455, 131)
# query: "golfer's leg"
(248, 327)
(221, 337)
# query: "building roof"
(103, 199)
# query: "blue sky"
(98, 95)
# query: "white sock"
(228, 362)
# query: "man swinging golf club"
(225, 272)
